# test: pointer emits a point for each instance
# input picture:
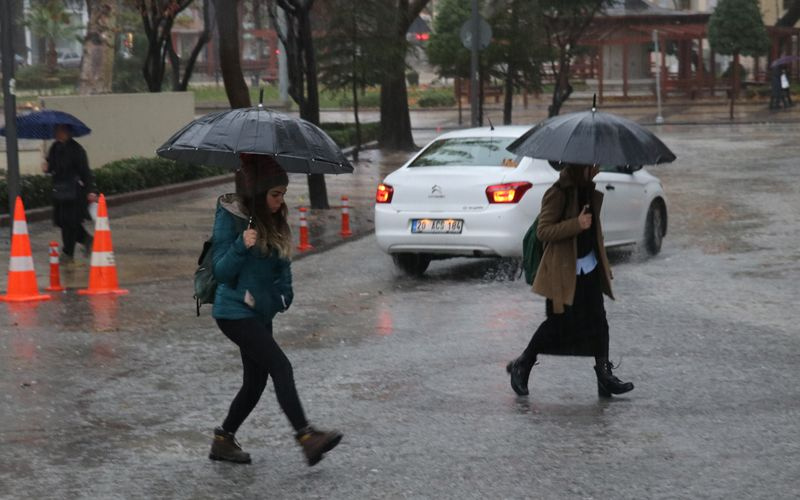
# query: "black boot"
(316, 443)
(607, 383)
(520, 371)
(225, 447)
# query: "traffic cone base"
(22, 285)
(103, 272)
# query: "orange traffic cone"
(55, 271)
(304, 245)
(345, 232)
(103, 273)
(21, 276)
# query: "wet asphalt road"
(116, 398)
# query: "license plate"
(453, 226)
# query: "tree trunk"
(735, 86)
(153, 70)
(309, 109)
(52, 57)
(229, 56)
(562, 89)
(395, 119)
(97, 64)
(357, 147)
(508, 101)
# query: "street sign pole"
(9, 102)
(659, 118)
(474, 79)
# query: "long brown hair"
(256, 177)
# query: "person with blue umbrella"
(73, 190)
(68, 164)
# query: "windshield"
(468, 152)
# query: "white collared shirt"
(586, 264)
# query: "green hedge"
(37, 77)
(436, 98)
(121, 176)
(344, 134)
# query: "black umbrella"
(592, 138)
(219, 138)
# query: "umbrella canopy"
(784, 60)
(592, 138)
(42, 125)
(219, 138)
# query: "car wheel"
(655, 228)
(413, 264)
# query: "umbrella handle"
(261, 96)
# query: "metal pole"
(473, 67)
(659, 118)
(9, 103)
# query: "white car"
(465, 194)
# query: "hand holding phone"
(585, 217)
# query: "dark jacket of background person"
(68, 164)
(558, 229)
(239, 270)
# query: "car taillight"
(384, 194)
(507, 193)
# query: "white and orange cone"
(345, 232)
(103, 271)
(304, 245)
(22, 285)
(55, 271)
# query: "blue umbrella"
(42, 124)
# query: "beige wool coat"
(558, 230)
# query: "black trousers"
(261, 357)
(69, 215)
(581, 330)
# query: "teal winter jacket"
(239, 270)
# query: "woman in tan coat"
(573, 275)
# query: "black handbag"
(66, 190)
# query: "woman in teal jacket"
(251, 250)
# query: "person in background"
(73, 190)
(786, 88)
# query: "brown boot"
(316, 443)
(225, 447)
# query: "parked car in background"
(465, 194)
(69, 59)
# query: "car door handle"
(610, 187)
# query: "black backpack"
(205, 285)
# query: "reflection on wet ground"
(117, 396)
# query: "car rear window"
(468, 152)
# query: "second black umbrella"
(219, 138)
(592, 138)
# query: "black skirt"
(582, 329)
